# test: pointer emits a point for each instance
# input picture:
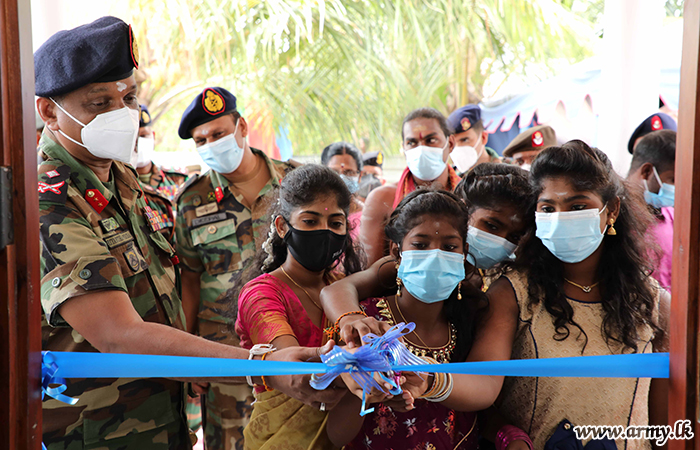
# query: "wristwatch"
(258, 350)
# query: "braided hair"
(489, 185)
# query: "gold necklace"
(586, 289)
(440, 354)
(305, 291)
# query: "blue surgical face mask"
(353, 183)
(224, 155)
(487, 250)
(664, 198)
(426, 163)
(571, 236)
(431, 275)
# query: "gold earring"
(459, 291)
(611, 230)
(398, 280)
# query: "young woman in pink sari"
(308, 234)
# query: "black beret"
(655, 122)
(102, 51)
(373, 159)
(210, 104)
(144, 117)
(464, 118)
(535, 138)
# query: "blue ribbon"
(49, 377)
(637, 365)
(379, 356)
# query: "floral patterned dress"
(430, 426)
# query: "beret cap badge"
(380, 158)
(145, 118)
(537, 139)
(134, 48)
(656, 123)
(466, 124)
(213, 102)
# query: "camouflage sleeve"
(189, 258)
(74, 260)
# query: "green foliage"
(340, 70)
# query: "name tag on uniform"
(207, 209)
(119, 239)
(209, 219)
(110, 224)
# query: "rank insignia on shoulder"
(55, 188)
(53, 184)
(95, 198)
(219, 194)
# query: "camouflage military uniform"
(94, 238)
(217, 235)
(166, 182)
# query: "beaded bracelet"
(267, 388)
(330, 331)
(510, 433)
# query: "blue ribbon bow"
(379, 356)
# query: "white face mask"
(110, 135)
(224, 155)
(466, 156)
(426, 163)
(145, 147)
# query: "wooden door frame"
(20, 315)
(683, 386)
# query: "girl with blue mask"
(497, 196)
(580, 286)
(427, 231)
(346, 160)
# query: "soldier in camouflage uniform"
(108, 275)
(164, 181)
(220, 221)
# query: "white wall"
(50, 16)
(630, 73)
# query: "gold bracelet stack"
(442, 385)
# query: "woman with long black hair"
(582, 286)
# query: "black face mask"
(316, 250)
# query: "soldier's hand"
(297, 386)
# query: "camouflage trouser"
(228, 406)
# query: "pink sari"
(267, 309)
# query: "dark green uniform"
(217, 236)
(106, 236)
